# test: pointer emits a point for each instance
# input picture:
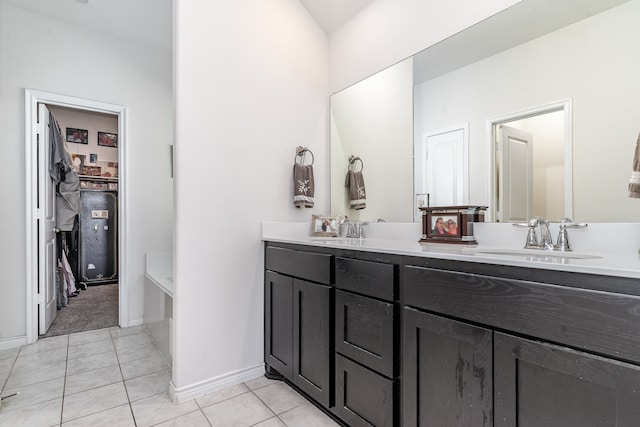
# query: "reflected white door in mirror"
(441, 168)
(532, 165)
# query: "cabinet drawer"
(363, 398)
(364, 331)
(312, 266)
(602, 322)
(365, 277)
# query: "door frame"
(32, 99)
(564, 105)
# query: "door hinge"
(38, 214)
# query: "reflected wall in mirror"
(591, 62)
(373, 120)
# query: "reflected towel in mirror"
(357, 192)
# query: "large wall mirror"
(575, 57)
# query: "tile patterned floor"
(117, 377)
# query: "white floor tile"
(92, 362)
(307, 415)
(36, 374)
(148, 385)
(193, 419)
(90, 348)
(224, 394)
(140, 367)
(32, 394)
(131, 340)
(36, 359)
(45, 344)
(93, 401)
(88, 380)
(139, 351)
(280, 397)
(271, 422)
(260, 382)
(159, 408)
(243, 410)
(89, 336)
(117, 331)
(9, 353)
(38, 415)
(120, 416)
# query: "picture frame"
(77, 161)
(77, 136)
(325, 226)
(450, 224)
(443, 225)
(107, 139)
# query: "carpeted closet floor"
(94, 308)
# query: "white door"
(515, 188)
(47, 256)
(445, 168)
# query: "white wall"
(590, 62)
(35, 53)
(389, 31)
(251, 84)
(361, 119)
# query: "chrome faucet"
(355, 229)
(546, 242)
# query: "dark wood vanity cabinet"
(298, 321)
(561, 356)
(365, 329)
(541, 384)
(447, 371)
(388, 340)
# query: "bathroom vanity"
(391, 333)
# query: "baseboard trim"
(135, 322)
(8, 343)
(214, 384)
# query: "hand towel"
(357, 193)
(303, 186)
(634, 182)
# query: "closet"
(90, 250)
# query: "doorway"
(530, 162)
(38, 270)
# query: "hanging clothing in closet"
(65, 177)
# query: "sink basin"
(529, 253)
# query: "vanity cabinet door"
(447, 372)
(364, 398)
(540, 384)
(278, 324)
(312, 350)
(364, 331)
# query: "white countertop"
(623, 262)
(159, 270)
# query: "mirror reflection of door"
(531, 163)
(515, 186)
(441, 166)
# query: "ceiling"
(332, 14)
(139, 21)
(146, 21)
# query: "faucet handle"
(532, 238)
(562, 243)
(568, 223)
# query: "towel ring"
(352, 163)
(302, 152)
